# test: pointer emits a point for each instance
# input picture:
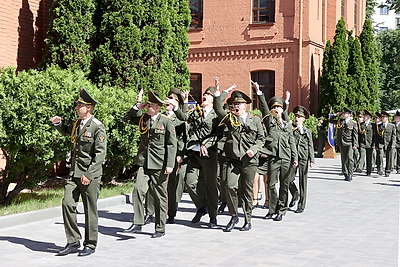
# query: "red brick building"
(278, 43)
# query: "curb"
(43, 214)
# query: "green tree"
(326, 89)
(70, 35)
(340, 57)
(394, 5)
(389, 44)
(369, 55)
(358, 96)
(118, 56)
(370, 8)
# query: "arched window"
(263, 11)
(195, 88)
(196, 10)
(266, 80)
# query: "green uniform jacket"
(89, 150)
(158, 145)
(387, 139)
(180, 130)
(366, 134)
(201, 130)
(241, 138)
(347, 133)
(279, 141)
(397, 135)
(304, 144)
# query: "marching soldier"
(365, 140)
(321, 127)
(201, 169)
(281, 151)
(156, 158)
(245, 138)
(304, 144)
(360, 120)
(90, 145)
(347, 139)
(385, 142)
(397, 125)
(180, 128)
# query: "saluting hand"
(85, 180)
(311, 164)
(287, 96)
(56, 120)
(233, 86)
(140, 96)
(168, 170)
(250, 153)
(216, 79)
(256, 85)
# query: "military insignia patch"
(101, 139)
(87, 134)
(160, 127)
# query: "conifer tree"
(70, 35)
(118, 56)
(368, 49)
(326, 92)
(358, 95)
(340, 57)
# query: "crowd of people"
(366, 142)
(219, 152)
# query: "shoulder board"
(96, 121)
(166, 116)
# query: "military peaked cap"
(301, 111)
(154, 99)
(276, 101)
(240, 97)
(175, 93)
(86, 98)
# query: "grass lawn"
(52, 197)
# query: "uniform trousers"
(366, 159)
(201, 182)
(239, 187)
(154, 181)
(278, 171)
(347, 160)
(302, 169)
(89, 193)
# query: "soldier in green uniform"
(321, 139)
(281, 150)
(305, 148)
(347, 139)
(365, 141)
(88, 137)
(202, 154)
(175, 98)
(244, 140)
(156, 157)
(397, 125)
(360, 120)
(385, 142)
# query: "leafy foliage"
(389, 44)
(29, 142)
(358, 96)
(326, 88)
(369, 55)
(70, 36)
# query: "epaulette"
(97, 122)
(166, 116)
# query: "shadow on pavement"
(32, 244)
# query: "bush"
(31, 145)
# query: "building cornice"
(265, 50)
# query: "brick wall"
(23, 26)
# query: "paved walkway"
(344, 224)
